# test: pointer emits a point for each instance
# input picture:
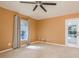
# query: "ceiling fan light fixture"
(39, 3)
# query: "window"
(24, 30)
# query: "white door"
(72, 32)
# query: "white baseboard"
(6, 50)
(52, 43)
(58, 44)
(35, 42)
(47, 43)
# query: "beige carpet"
(42, 50)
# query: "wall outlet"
(9, 44)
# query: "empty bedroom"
(39, 29)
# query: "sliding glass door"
(72, 32)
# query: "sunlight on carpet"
(34, 47)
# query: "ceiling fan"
(38, 3)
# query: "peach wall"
(6, 27)
(49, 29)
(32, 30)
(53, 29)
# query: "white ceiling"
(62, 8)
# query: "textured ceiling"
(62, 8)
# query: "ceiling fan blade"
(35, 7)
(43, 8)
(27, 2)
(49, 3)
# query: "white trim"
(60, 45)
(35, 42)
(57, 44)
(52, 43)
(48, 43)
(6, 50)
(66, 33)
